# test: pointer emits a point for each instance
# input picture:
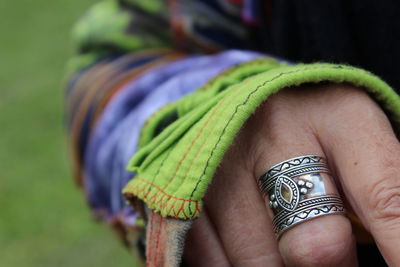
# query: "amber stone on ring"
(287, 193)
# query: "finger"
(239, 214)
(366, 154)
(203, 247)
(322, 241)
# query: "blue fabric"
(115, 137)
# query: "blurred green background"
(43, 218)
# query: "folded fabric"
(106, 118)
(133, 95)
(182, 145)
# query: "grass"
(43, 218)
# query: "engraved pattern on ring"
(324, 208)
(296, 189)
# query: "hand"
(337, 121)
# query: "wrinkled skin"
(337, 121)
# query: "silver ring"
(300, 189)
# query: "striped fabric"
(127, 50)
(135, 57)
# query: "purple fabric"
(114, 139)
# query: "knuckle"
(249, 248)
(325, 249)
(318, 254)
(384, 200)
(255, 255)
(326, 253)
(353, 108)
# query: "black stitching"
(244, 103)
(158, 172)
(210, 87)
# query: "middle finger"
(323, 240)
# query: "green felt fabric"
(175, 164)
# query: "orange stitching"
(158, 172)
(148, 260)
(255, 62)
(247, 99)
(197, 209)
(172, 207)
(198, 135)
(182, 208)
(193, 142)
(156, 252)
(168, 207)
(163, 192)
(227, 73)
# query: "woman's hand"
(339, 122)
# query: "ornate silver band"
(300, 189)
